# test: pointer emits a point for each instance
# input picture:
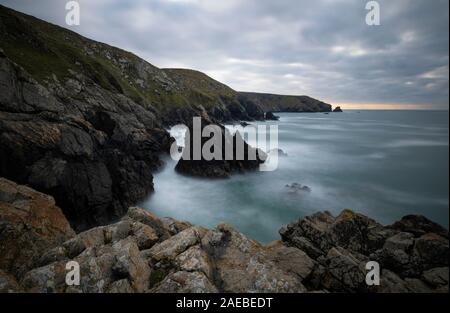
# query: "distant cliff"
(52, 55)
(280, 103)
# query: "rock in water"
(280, 152)
(223, 165)
(338, 109)
(296, 188)
(271, 117)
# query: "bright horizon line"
(389, 106)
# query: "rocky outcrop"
(271, 117)
(226, 161)
(282, 103)
(30, 224)
(296, 188)
(91, 149)
(337, 110)
(144, 253)
(411, 261)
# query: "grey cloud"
(322, 48)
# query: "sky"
(320, 48)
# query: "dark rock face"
(253, 110)
(92, 149)
(225, 165)
(281, 103)
(338, 109)
(271, 117)
(419, 225)
(410, 260)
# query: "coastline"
(144, 253)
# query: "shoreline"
(144, 253)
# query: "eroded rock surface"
(413, 253)
(144, 253)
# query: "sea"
(384, 164)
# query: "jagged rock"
(396, 255)
(103, 146)
(93, 237)
(350, 240)
(349, 230)
(271, 117)
(401, 241)
(195, 259)
(120, 286)
(30, 225)
(433, 250)
(436, 277)
(417, 286)
(296, 188)
(344, 272)
(129, 264)
(46, 279)
(391, 283)
(145, 236)
(8, 283)
(337, 109)
(419, 225)
(291, 260)
(227, 162)
(143, 253)
(163, 230)
(174, 226)
(242, 265)
(313, 228)
(182, 282)
(172, 247)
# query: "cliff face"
(83, 121)
(144, 253)
(219, 101)
(51, 54)
(281, 103)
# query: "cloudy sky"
(321, 48)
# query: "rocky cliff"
(144, 253)
(84, 121)
(53, 55)
(281, 103)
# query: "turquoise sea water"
(385, 164)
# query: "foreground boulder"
(144, 253)
(30, 225)
(411, 260)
